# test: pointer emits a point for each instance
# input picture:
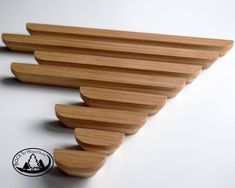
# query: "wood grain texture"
(189, 72)
(131, 37)
(100, 119)
(79, 163)
(76, 77)
(105, 142)
(122, 100)
(26, 43)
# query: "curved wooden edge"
(111, 120)
(113, 99)
(224, 50)
(79, 163)
(105, 142)
(193, 77)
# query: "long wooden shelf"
(26, 43)
(175, 41)
(76, 77)
(189, 72)
(102, 119)
(122, 100)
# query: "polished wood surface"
(76, 77)
(102, 119)
(175, 41)
(187, 71)
(24, 43)
(79, 163)
(122, 100)
(105, 142)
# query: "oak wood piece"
(33, 43)
(105, 142)
(79, 163)
(76, 77)
(100, 119)
(122, 100)
(187, 71)
(132, 37)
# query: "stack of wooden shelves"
(123, 77)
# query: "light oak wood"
(105, 142)
(131, 37)
(101, 119)
(189, 72)
(26, 43)
(79, 163)
(122, 100)
(76, 77)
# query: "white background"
(190, 143)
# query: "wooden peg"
(186, 71)
(33, 43)
(100, 119)
(131, 37)
(105, 142)
(122, 100)
(76, 77)
(79, 163)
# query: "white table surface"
(190, 143)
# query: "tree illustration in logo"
(41, 164)
(33, 163)
(26, 166)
